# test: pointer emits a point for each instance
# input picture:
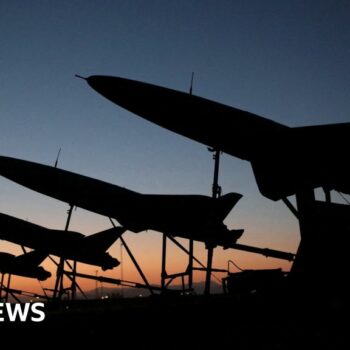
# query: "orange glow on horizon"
(149, 257)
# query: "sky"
(285, 60)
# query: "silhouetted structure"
(197, 217)
(25, 265)
(252, 281)
(286, 161)
(66, 244)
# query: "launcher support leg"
(1, 284)
(138, 268)
(8, 288)
(59, 278)
(216, 193)
(74, 286)
(303, 269)
(190, 265)
(59, 273)
(209, 268)
(137, 265)
(163, 272)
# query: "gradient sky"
(285, 60)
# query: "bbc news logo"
(27, 312)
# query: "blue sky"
(285, 60)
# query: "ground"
(195, 322)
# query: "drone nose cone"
(118, 90)
(104, 83)
(143, 99)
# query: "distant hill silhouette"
(127, 292)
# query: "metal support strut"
(163, 272)
(58, 291)
(216, 193)
(137, 266)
